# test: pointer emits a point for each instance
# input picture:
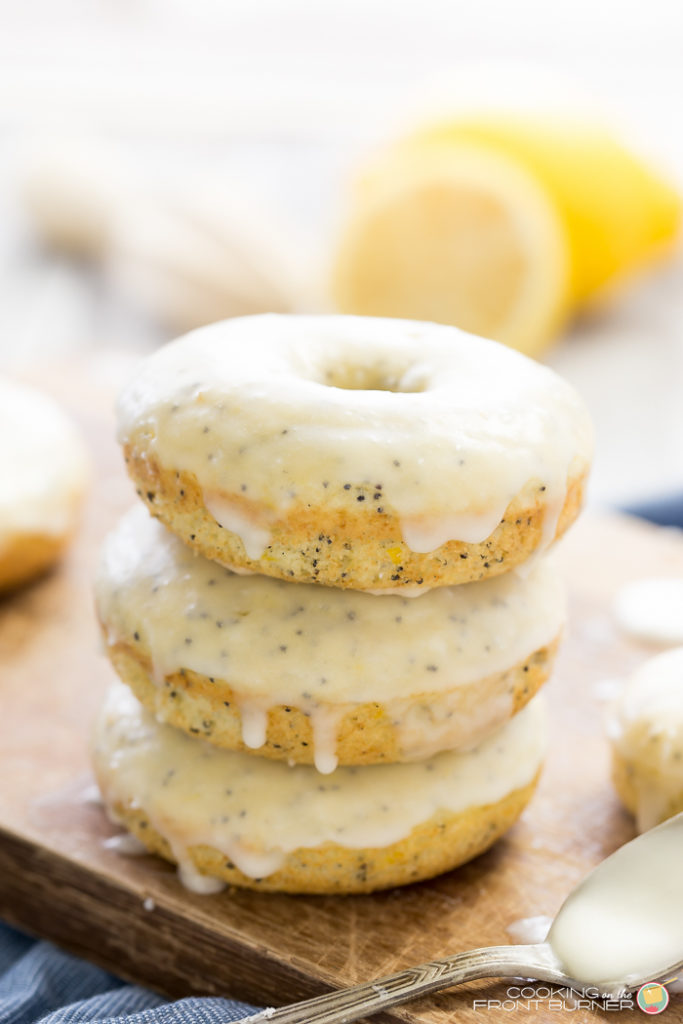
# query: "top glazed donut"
(355, 452)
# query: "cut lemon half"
(619, 214)
(460, 234)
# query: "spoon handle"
(349, 1004)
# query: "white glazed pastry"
(255, 822)
(318, 674)
(362, 453)
(43, 474)
(651, 610)
(646, 732)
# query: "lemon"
(502, 227)
(457, 234)
(618, 213)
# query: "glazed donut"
(646, 731)
(252, 822)
(316, 674)
(43, 467)
(355, 452)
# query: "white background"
(287, 95)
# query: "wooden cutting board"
(58, 880)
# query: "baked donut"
(646, 731)
(43, 467)
(316, 674)
(254, 822)
(355, 452)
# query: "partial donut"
(646, 731)
(317, 674)
(355, 452)
(252, 822)
(43, 469)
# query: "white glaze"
(92, 795)
(322, 649)
(43, 465)
(289, 409)
(125, 844)
(426, 533)
(325, 721)
(652, 610)
(529, 930)
(607, 690)
(646, 727)
(228, 515)
(202, 885)
(625, 921)
(255, 811)
(254, 724)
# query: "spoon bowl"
(623, 924)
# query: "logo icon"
(652, 997)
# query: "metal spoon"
(621, 926)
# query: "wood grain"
(58, 881)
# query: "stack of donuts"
(331, 630)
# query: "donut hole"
(375, 377)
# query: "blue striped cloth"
(41, 985)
